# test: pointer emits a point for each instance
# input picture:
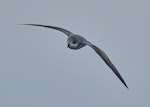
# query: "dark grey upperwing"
(108, 62)
(68, 33)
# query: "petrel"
(75, 42)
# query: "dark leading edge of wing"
(68, 33)
(108, 62)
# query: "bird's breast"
(73, 46)
(76, 46)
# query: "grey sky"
(37, 69)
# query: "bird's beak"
(68, 45)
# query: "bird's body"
(76, 42)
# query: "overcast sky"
(38, 70)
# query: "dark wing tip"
(33, 24)
(124, 83)
(68, 33)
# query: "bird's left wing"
(107, 61)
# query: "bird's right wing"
(68, 33)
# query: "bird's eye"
(74, 42)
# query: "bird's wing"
(68, 33)
(107, 61)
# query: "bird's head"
(72, 44)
